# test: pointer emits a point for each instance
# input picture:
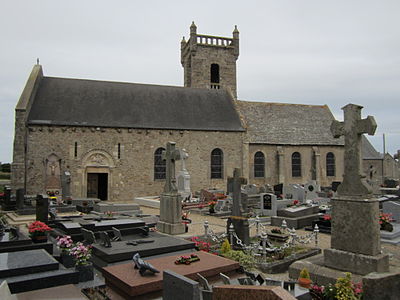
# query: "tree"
(6, 168)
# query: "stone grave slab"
(391, 237)
(118, 223)
(392, 207)
(26, 262)
(250, 292)
(122, 251)
(115, 207)
(127, 281)
(42, 280)
(6, 240)
(298, 211)
(64, 292)
(70, 227)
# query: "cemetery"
(257, 242)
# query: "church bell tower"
(210, 61)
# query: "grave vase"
(67, 259)
(39, 238)
(86, 272)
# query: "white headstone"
(183, 177)
(312, 189)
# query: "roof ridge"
(283, 104)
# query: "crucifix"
(352, 128)
(170, 156)
(237, 181)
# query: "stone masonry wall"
(197, 67)
(306, 152)
(133, 174)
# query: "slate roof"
(288, 124)
(368, 151)
(78, 102)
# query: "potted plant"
(384, 222)
(304, 279)
(277, 234)
(211, 206)
(82, 255)
(65, 243)
(38, 231)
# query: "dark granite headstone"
(8, 203)
(178, 287)
(42, 208)
(20, 197)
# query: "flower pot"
(211, 210)
(304, 282)
(86, 272)
(67, 260)
(39, 238)
(387, 227)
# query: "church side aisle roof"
(288, 124)
(80, 102)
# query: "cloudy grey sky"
(293, 51)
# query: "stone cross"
(170, 156)
(237, 193)
(354, 183)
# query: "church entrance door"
(97, 184)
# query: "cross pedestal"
(170, 201)
(355, 237)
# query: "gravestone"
(170, 201)
(178, 287)
(20, 197)
(42, 208)
(66, 185)
(8, 203)
(239, 221)
(355, 239)
(250, 189)
(268, 204)
(311, 190)
(183, 177)
(294, 192)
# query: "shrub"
(304, 274)
(245, 260)
(225, 247)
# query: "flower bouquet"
(384, 222)
(38, 231)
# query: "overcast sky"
(294, 51)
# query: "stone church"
(89, 138)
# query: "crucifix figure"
(170, 155)
(354, 182)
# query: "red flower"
(295, 202)
(327, 217)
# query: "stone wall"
(306, 152)
(132, 174)
(200, 65)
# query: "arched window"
(217, 163)
(159, 164)
(330, 164)
(259, 164)
(214, 73)
(296, 164)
